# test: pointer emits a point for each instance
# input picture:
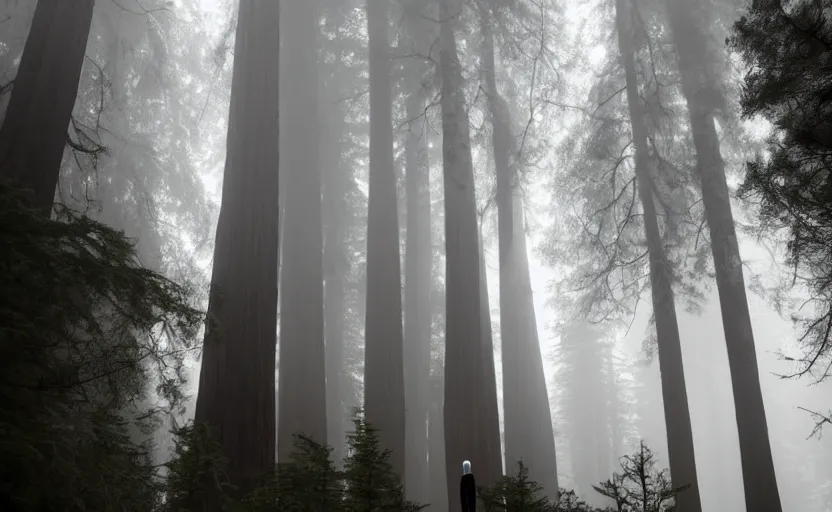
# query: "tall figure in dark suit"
(468, 489)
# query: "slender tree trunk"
(15, 32)
(466, 425)
(302, 377)
(674, 391)
(236, 383)
(437, 479)
(280, 235)
(383, 366)
(616, 436)
(692, 49)
(585, 410)
(417, 306)
(336, 182)
(488, 389)
(335, 272)
(527, 416)
(34, 131)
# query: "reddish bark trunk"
(692, 48)
(417, 306)
(335, 271)
(34, 131)
(383, 366)
(302, 376)
(527, 416)
(674, 391)
(467, 424)
(236, 383)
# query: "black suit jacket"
(468, 493)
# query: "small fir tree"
(370, 483)
(640, 487)
(569, 502)
(515, 494)
(196, 479)
(309, 482)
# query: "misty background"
(152, 117)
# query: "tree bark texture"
(527, 415)
(674, 391)
(34, 131)
(686, 19)
(489, 407)
(236, 383)
(466, 423)
(302, 376)
(383, 364)
(418, 263)
(337, 182)
(335, 274)
(437, 480)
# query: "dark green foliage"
(371, 485)
(788, 45)
(640, 487)
(518, 493)
(83, 331)
(309, 482)
(515, 494)
(83, 462)
(569, 502)
(196, 479)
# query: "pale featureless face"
(466, 467)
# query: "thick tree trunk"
(527, 416)
(383, 365)
(34, 131)
(417, 306)
(467, 426)
(674, 391)
(302, 375)
(236, 383)
(692, 49)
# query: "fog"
(406, 144)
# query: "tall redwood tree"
(236, 384)
(34, 131)
(383, 366)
